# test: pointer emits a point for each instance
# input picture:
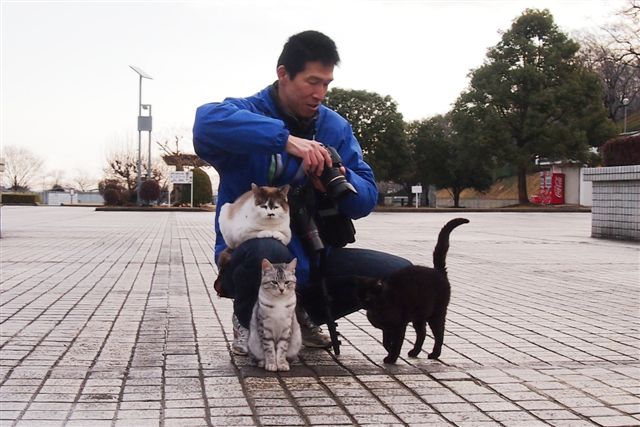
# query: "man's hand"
(314, 156)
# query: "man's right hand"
(314, 156)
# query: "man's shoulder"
(259, 101)
(332, 117)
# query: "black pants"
(241, 277)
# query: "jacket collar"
(303, 128)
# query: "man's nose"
(320, 93)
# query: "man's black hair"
(307, 46)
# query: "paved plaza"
(110, 319)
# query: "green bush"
(112, 196)
(202, 192)
(621, 151)
(20, 199)
(150, 190)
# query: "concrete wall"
(477, 203)
(586, 190)
(616, 202)
(57, 198)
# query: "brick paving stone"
(110, 319)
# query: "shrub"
(110, 183)
(20, 199)
(621, 151)
(112, 197)
(150, 190)
(202, 193)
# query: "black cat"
(414, 294)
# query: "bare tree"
(626, 33)
(613, 55)
(21, 168)
(59, 178)
(83, 181)
(122, 165)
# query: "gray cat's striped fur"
(274, 332)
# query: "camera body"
(333, 180)
(315, 217)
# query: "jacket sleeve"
(360, 175)
(234, 126)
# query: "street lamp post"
(625, 102)
(148, 107)
(144, 124)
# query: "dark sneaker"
(240, 337)
(312, 335)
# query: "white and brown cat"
(258, 213)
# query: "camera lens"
(336, 184)
(333, 180)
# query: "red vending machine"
(551, 189)
(557, 188)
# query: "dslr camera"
(315, 217)
(333, 180)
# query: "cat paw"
(390, 360)
(414, 353)
(283, 366)
(271, 367)
(281, 237)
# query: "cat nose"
(271, 214)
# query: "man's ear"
(281, 72)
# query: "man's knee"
(255, 250)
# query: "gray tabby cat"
(274, 332)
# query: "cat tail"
(442, 247)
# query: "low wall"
(477, 203)
(615, 213)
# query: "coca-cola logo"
(559, 186)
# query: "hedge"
(20, 199)
(621, 151)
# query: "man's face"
(303, 95)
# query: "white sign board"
(181, 177)
(417, 189)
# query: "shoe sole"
(316, 345)
(238, 352)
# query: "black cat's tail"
(442, 247)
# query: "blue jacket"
(240, 138)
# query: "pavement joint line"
(74, 339)
(194, 329)
(127, 369)
(238, 372)
(541, 328)
(336, 398)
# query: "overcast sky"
(69, 96)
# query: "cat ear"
(254, 187)
(292, 265)
(266, 264)
(284, 190)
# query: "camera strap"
(277, 169)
